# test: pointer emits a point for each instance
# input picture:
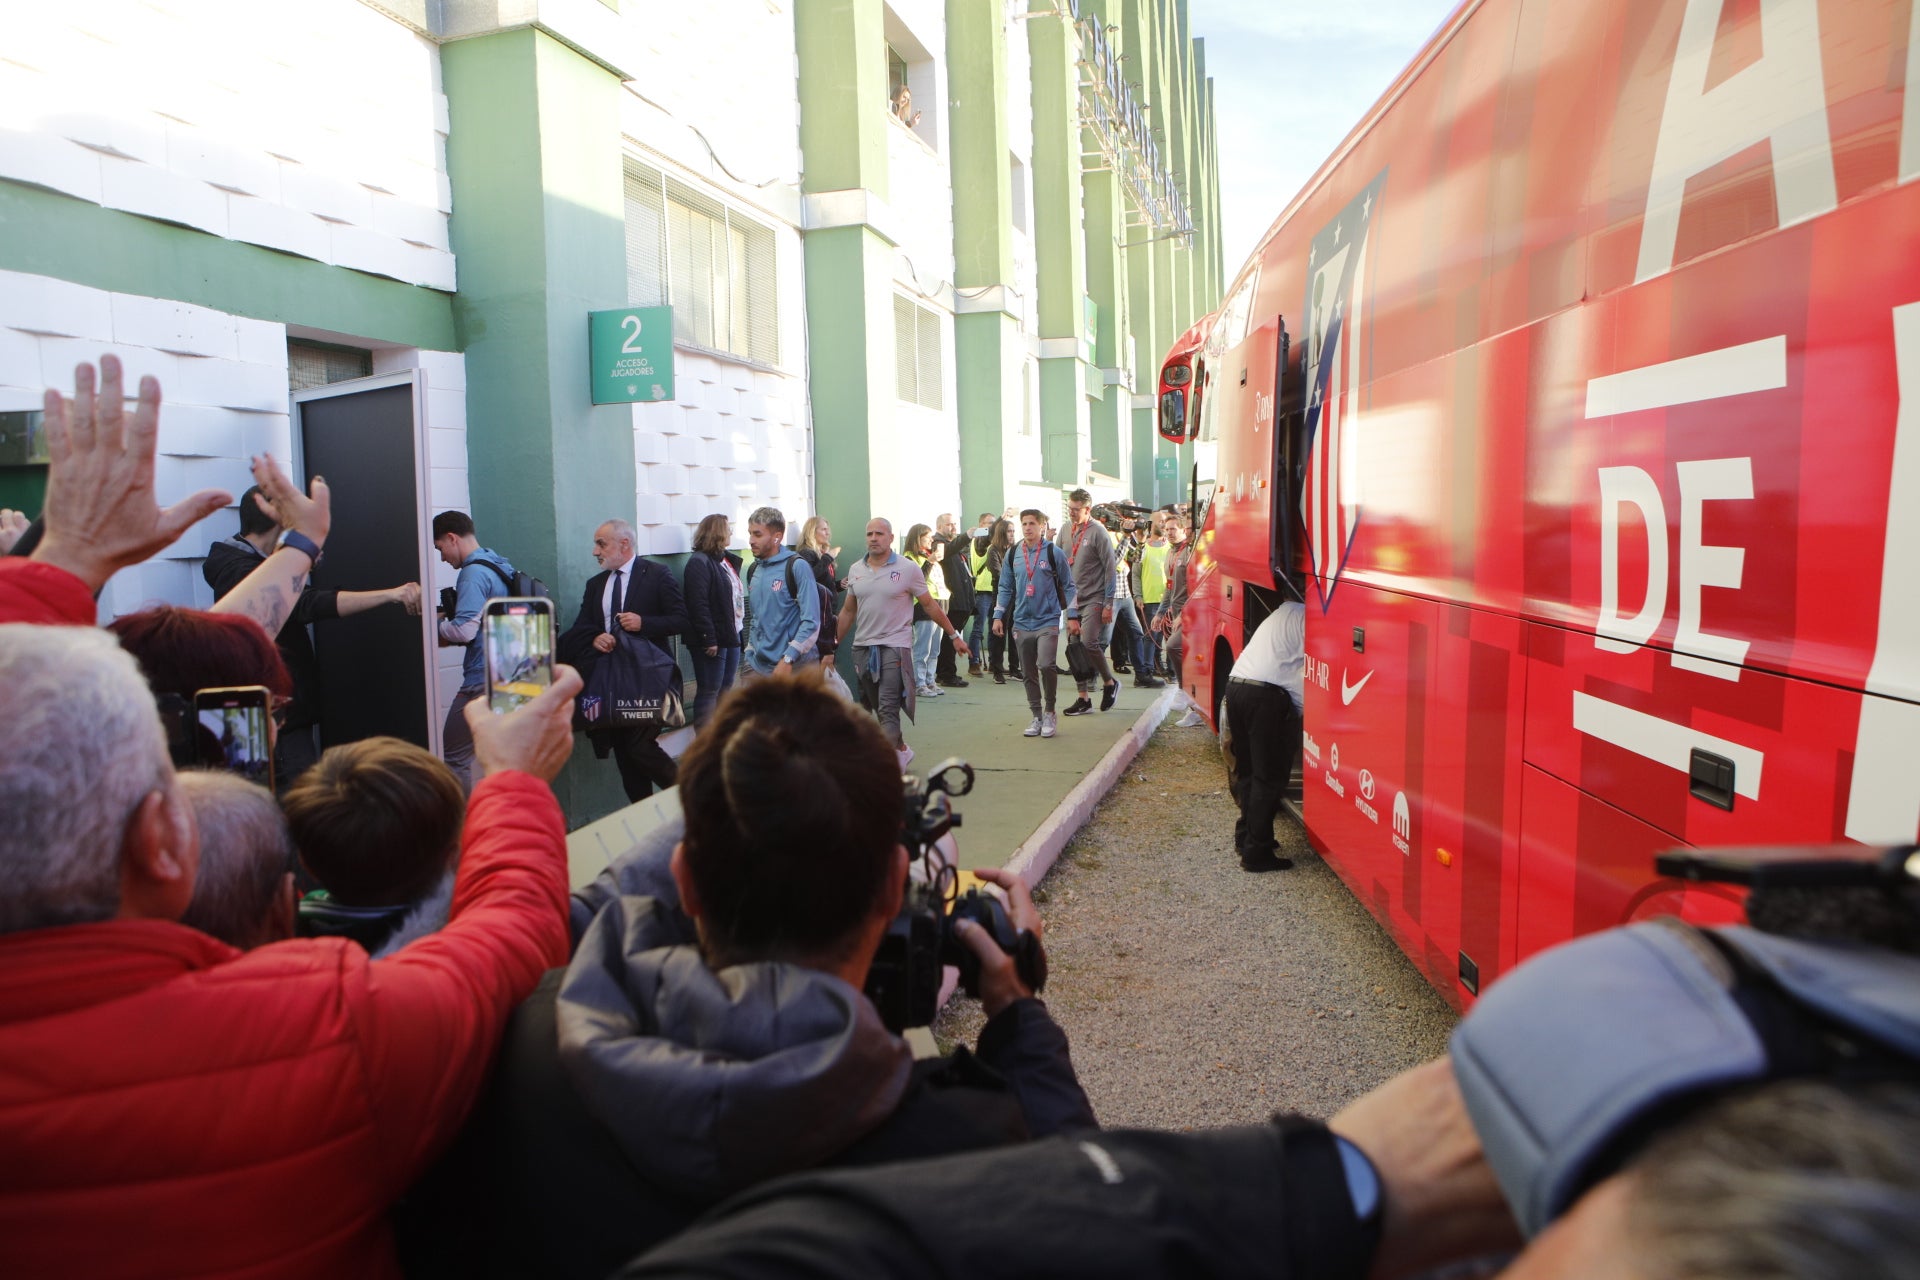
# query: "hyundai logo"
(1366, 783)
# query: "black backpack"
(520, 583)
(829, 637)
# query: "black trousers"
(943, 667)
(1264, 726)
(644, 763)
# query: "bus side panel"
(1210, 619)
(1477, 726)
(1411, 771)
(1622, 727)
(1585, 865)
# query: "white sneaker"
(1033, 729)
(906, 756)
(1049, 725)
(1191, 720)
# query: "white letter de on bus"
(1612, 632)
(1781, 98)
(1705, 565)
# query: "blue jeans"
(926, 651)
(1126, 633)
(712, 677)
(1149, 651)
(982, 621)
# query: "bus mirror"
(1173, 414)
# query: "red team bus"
(1578, 397)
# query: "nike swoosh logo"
(1349, 692)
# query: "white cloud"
(1291, 79)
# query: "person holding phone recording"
(478, 582)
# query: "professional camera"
(904, 980)
(1571, 1062)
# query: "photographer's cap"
(1563, 1061)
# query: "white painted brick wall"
(219, 408)
(715, 450)
(316, 128)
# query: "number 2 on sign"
(631, 346)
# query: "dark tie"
(619, 600)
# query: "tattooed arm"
(268, 594)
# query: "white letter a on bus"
(1781, 99)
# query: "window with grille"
(311, 364)
(916, 352)
(714, 266)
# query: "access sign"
(632, 353)
(1166, 469)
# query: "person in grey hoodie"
(711, 1032)
(1088, 548)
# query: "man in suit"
(641, 598)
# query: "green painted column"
(986, 333)
(539, 229)
(1107, 286)
(849, 266)
(1059, 247)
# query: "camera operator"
(715, 1036)
(1653, 1102)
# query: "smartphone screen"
(519, 646)
(233, 730)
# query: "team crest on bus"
(1336, 282)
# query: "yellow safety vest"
(982, 575)
(1153, 572)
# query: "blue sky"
(1290, 78)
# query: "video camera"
(904, 979)
(1571, 1062)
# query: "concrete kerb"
(1038, 852)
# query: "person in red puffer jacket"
(169, 1105)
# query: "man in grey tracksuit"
(1088, 548)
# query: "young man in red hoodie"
(170, 1105)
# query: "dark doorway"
(373, 667)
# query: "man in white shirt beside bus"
(1264, 701)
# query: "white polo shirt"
(1277, 652)
(883, 601)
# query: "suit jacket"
(652, 591)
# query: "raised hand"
(101, 514)
(309, 513)
(535, 737)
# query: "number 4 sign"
(632, 354)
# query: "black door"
(373, 677)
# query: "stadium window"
(917, 363)
(712, 265)
(315, 364)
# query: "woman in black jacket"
(815, 547)
(716, 610)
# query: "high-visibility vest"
(1153, 572)
(982, 575)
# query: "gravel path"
(1197, 995)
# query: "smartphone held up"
(519, 648)
(234, 731)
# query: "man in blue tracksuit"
(1035, 589)
(783, 604)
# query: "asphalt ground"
(1196, 994)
